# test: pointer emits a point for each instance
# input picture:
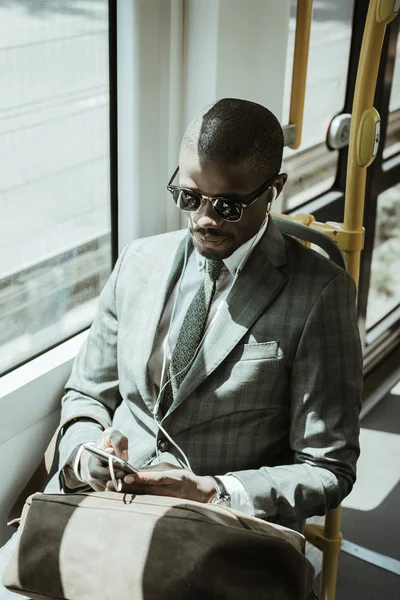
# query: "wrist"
(221, 495)
(208, 489)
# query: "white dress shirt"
(178, 303)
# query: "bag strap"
(47, 467)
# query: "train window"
(384, 291)
(312, 168)
(392, 144)
(54, 192)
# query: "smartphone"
(119, 464)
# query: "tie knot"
(214, 269)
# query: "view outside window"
(392, 143)
(54, 183)
(312, 168)
(384, 290)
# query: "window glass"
(394, 103)
(392, 140)
(384, 290)
(312, 167)
(392, 143)
(54, 184)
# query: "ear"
(279, 182)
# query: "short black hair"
(234, 131)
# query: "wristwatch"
(222, 498)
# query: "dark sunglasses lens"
(227, 209)
(185, 200)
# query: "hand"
(93, 470)
(168, 480)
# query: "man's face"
(213, 237)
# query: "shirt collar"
(233, 261)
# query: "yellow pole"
(364, 139)
(364, 131)
(331, 554)
(300, 64)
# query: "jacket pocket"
(255, 351)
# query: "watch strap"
(222, 496)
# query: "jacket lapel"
(157, 292)
(253, 292)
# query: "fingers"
(155, 477)
(146, 483)
(102, 473)
(148, 490)
(161, 474)
(98, 473)
(114, 439)
(177, 483)
(164, 466)
(96, 486)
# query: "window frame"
(113, 124)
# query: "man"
(268, 400)
(229, 348)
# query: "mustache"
(205, 232)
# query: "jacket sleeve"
(325, 396)
(92, 391)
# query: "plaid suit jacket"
(273, 395)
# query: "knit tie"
(191, 332)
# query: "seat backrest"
(303, 232)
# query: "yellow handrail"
(300, 64)
(365, 124)
(364, 140)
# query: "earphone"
(274, 197)
(172, 321)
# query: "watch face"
(223, 501)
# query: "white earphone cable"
(117, 483)
(166, 341)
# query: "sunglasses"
(229, 208)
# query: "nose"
(205, 216)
